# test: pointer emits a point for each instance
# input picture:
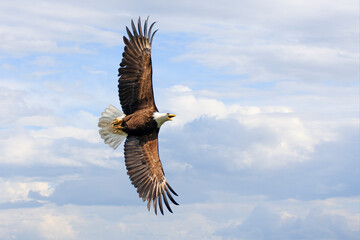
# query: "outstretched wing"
(135, 82)
(146, 172)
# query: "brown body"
(140, 122)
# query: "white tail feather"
(107, 131)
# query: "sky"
(265, 140)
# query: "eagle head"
(160, 118)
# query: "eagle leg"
(116, 124)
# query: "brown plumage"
(145, 170)
(142, 121)
(135, 82)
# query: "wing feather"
(133, 28)
(146, 187)
(151, 26)
(160, 202)
(166, 202)
(170, 197)
(135, 72)
(145, 170)
(145, 25)
(152, 36)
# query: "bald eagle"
(140, 120)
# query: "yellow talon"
(116, 123)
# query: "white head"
(160, 118)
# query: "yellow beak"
(171, 116)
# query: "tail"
(114, 139)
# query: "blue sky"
(264, 145)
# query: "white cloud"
(34, 134)
(93, 71)
(273, 61)
(13, 105)
(89, 135)
(40, 74)
(38, 120)
(293, 139)
(248, 216)
(178, 166)
(48, 61)
(268, 43)
(52, 23)
(57, 227)
(20, 148)
(7, 66)
(47, 147)
(18, 189)
(38, 223)
(228, 27)
(289, 220)
(188, 108)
